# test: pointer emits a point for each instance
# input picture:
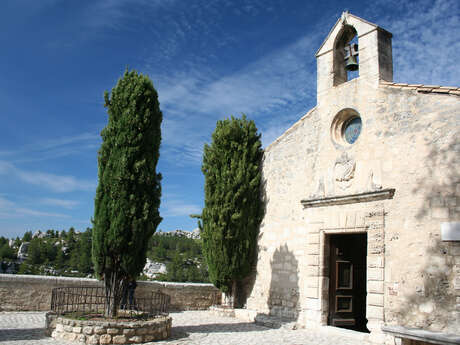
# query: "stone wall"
(26, 292)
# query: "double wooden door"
(347, 283)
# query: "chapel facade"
(362, 201)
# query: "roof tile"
(440, 90)
(451, 90)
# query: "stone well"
(103, 332)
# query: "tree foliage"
(6, 252)
(128, 194)
(54, 253)
(233, 210)
(27, 236)
(79, 262)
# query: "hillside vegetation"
(183, 257)
(68, 253)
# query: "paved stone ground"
(190, 327)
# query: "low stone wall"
(102, 332)
(33, 293)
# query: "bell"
(351, 63)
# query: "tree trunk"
(229, 298)
(114, 287)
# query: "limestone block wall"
(26, 292)
(281, 249)
(409, 142)
(421, 271)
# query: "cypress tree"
(233, 209)
(128, 193)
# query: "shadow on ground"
(22, 334)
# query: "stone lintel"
(349, 199)
(422, 335)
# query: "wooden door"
(347, 283)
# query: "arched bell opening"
(346, 61)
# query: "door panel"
(347, 283)
(344, 271)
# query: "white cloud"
(55, 148)
(79, 139)
(56, 183)
(5, 167)
(272, 90)
(271, 83)
(68, 204)
(9, 209)
(426, 48)
(175, 204)
(4, 203)
(29, 212)
(178, 208)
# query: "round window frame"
(341, 119)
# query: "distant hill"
(195, 234)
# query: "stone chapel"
(362, 202)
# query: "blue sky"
(207, 59)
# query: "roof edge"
(342, 19)
(290, 129)
(449, 90)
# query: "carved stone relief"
(344, 171)
(373, 182)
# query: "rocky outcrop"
(153, 268)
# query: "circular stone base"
(220, 310)
(103, 332)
